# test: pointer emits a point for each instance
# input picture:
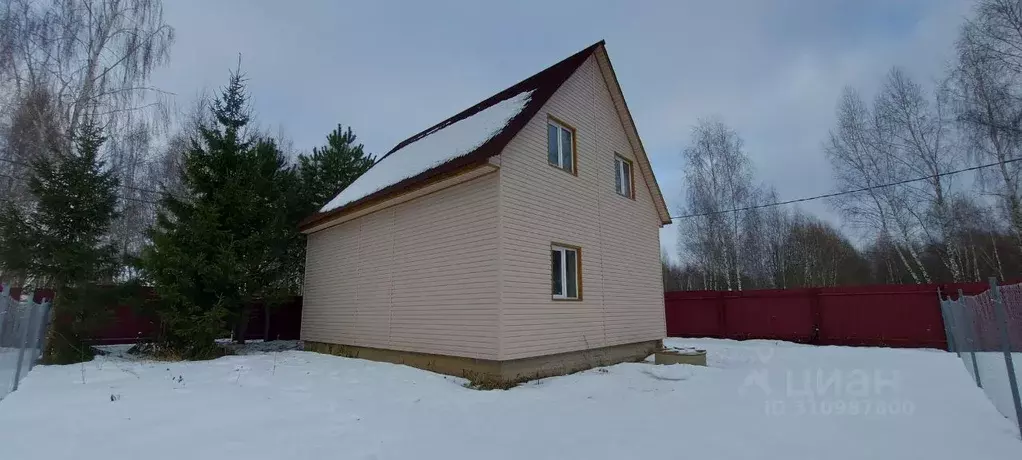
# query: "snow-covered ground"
(757, 400)
(993, 375)
(8, 364)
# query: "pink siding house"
(517, 239)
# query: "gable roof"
(468, 138)
(531, 94)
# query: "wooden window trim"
(631, 176)
(578, 256)
(574, 145)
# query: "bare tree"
(28, 134)
(95, 56)
(862, 156)
(777, 225)
(921, 147)
(985, 240)
(91, 60)
(987, 86)
(719, 178)
(819, 255)
(673, 275)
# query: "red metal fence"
(284, 322)
(884, 315)
(130, 325)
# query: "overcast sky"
(771, 70)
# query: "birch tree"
(987, 83)
(861, 154)
(95, 56)
(777, 225)
(26, 136)
(90, 60)
(985, 242)
(719, 178)
(819, 255)
(921, 146)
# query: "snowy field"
(757, 400)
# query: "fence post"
(24, 344)
(945, 313)
(33, 334)
(44, 321)
(5, 312)
(816, 316)
(5, 291)
(1002, 325)
(972, 343)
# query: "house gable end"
(599, 65)
(545, 206)
(628, 124)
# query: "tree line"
(104, 192)
(911, 213)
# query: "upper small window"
(560, 141)
(623, 176)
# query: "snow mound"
(435, 149)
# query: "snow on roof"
(434, 149)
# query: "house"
(516, 239)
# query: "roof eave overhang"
(409, 191)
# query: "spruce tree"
(322, 174)
(221, 244)
(331, 168)
(16, 246)
(76, 202)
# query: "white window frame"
(561, 128)
(624, 175)
(564, 272)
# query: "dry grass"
(480, 381)
(161, 352)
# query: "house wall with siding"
(420, 276)
(622, 298)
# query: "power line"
(129, 187)
(686, 216)
(845, 192)
(129, 198)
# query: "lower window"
(565, 270)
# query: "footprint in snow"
(673, 373)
